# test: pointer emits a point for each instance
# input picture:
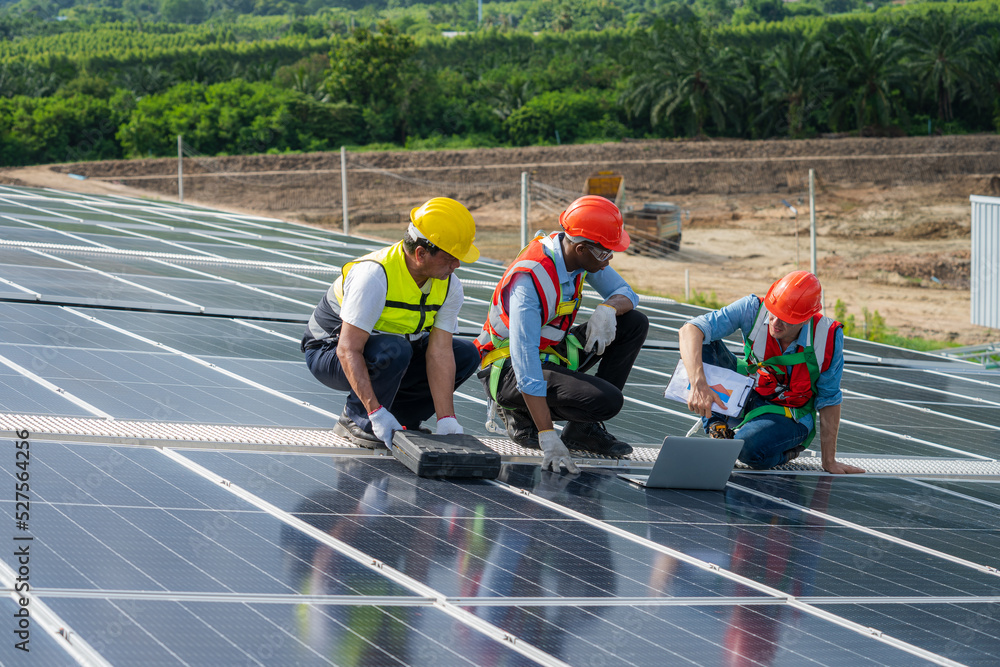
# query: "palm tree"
(749, 97)
(872, 76)
(984, 84)
(310, 83)
(678, 70)
(649, 72)
(509, 95)
(940, 57)
(797, 81)
(144, 79)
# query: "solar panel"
(41, 649)
(701, 635)
(219, 633)
(178, 326)
(113, 519)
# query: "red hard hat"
(795, 298)
(596, 219)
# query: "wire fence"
(379, 198)
(383, 187)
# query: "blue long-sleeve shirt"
(741, 315)
(525, 311)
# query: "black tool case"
(445, 455)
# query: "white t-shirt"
(365, 290)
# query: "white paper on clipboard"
(730, 386)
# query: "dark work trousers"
(765, 438)
(575, 395)
(398, 371)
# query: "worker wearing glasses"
(535, 356)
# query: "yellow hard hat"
(447, 224)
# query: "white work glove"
(383, 424)
(555, 452)
(449, 426)
(601, 328)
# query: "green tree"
(376, 71)
(840, 6)
(872, 77)
(760, 11)
(798, 80)
(183, 11)
(573, 115)
(56, 129)
(680, 70)
(509, 94)
(984, 85)
(235, 117)
(940, 57)
(307, 76)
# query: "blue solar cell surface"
(194, 556)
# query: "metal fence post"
(180, 167)
(343, 187)
(812, 221)
(524, 209)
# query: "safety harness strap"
(498, 357)
(750, 365)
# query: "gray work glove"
(383, 424)
(555, 453)
(601, 328)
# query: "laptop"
(690, 463)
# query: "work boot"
(593, 437)
(792, 454)
(346, 428)
(720, 431)
(520, 427)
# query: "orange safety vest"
(537, 259)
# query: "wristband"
(448, 417)
(374, 411)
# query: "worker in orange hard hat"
(535, 356)
(383, 331)
(797, 357)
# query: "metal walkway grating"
(183, 434)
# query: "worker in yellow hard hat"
(383, 332)
(796, 356)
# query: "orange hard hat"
(596, 219)
(795, 298)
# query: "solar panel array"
(175, 550)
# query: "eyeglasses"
(599, 253)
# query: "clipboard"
(731, 387)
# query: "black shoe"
(419, 429)
(792, 454)
(346, 428)
(593, 437)
(520, 427)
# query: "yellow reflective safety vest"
(408, 310)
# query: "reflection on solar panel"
(190, 504)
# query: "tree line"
(277, 84)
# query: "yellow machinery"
(655, 228)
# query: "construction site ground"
(892, 215)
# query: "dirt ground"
(900, 246)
